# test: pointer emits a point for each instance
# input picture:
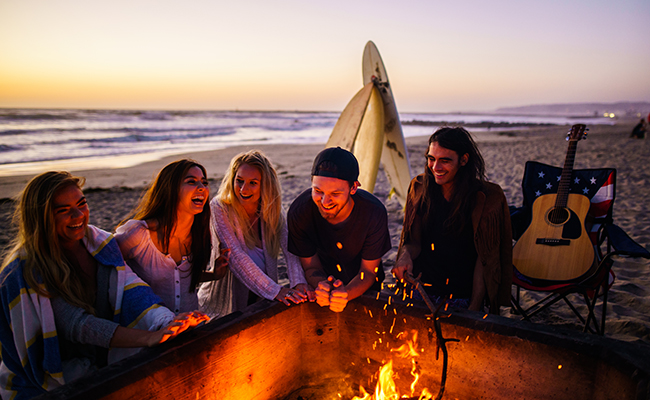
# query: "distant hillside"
(623, 108)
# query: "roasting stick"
(441, 342)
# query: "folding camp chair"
(599, 185)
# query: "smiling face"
(333, 197)
(194, 191)
(248, 186)
(444, 165)
(71, 215)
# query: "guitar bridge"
(553, 242)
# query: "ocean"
(37, 136)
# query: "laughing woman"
(68, 301)
(167, 243)
(247, 219)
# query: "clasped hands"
(331, 293)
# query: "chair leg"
(551, 298)
(591, 305)
(575, 311)
(514, 302)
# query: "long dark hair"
(160, 202)
(469, 179)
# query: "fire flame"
(386, 389)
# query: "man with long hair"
(457, 232)
(339, 231)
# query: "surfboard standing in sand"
(394, 156)
(369, 127)
(357, 130)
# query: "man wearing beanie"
(339, 231)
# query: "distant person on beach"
(70, 305)
(639, 131)
(339, 231)
(457, 231)
(167, 241)
(247, 219)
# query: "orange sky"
(296, 55)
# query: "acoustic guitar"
(556, 246)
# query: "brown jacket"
(492, 238)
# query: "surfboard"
(359, 130)
(394, 155)
(347, 126)
(368, 144)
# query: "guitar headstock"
(577, 132)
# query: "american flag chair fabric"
(599, 185)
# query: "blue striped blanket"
(31, 363)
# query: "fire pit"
(306, 352)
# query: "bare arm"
(220, 266)
(128, 337)
(364, 279)
(408, 252)
(314, 273)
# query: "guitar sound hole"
(558, 216)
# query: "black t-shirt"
(453, 257)
(363, 235)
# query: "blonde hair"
(46, 268)
(270, 207)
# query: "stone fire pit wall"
(276, 352)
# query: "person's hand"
(221, 263)
(181, 323)
(322, 292)
(286, 295)
(307, 291)
(338, 296)
(404, 265)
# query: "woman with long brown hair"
(167, 241)
(69, 302)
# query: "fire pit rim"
(630, 358)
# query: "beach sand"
(112, 193)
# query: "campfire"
(307, 352)
(386, 388)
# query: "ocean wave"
(16, 132)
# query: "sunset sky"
(440, 56)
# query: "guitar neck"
(565, 178)
(577, 132)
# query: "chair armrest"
(623, 244)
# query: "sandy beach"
(112, 193)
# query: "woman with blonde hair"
(167, 241)
(68, 299)
(247, 219)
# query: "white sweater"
(230, 294)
